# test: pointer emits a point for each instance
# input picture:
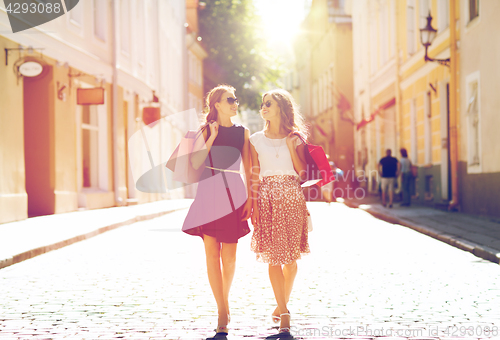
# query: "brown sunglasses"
(268, 104)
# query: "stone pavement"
(475, 234)
(364, 279)
(22, 240)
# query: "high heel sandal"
(222, 330)
(285, 330)
(220, 333)
(275, 318)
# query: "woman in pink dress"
(220, 209)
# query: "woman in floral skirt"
(279, 214)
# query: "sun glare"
(281, 19)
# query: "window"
(413, 132)
(76, 15)
(100, 19)
(410, 27)
(393, 28)
(373, 44)
(329, 86)
(473, 9)
(443, 15)
(321, 91)
(473, 122)
(200, 82)
(424, 12)
(384, 34)
(190, 66)
(125, 25)
(315, 98)
(90, 134)
(325, 91)
(140, 33)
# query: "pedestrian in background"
(406, 177)
(279, 207)
(388, 168)
(210, 216)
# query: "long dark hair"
(213, 97)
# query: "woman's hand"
(291, 139)
(247, 210)
(214, 129)
(255, 215)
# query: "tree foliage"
(237, 55)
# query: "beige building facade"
(324, 67)
(59, 156)
(479, 150)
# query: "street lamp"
(427, 36)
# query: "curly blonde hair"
(291, 119)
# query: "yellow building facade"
(438, 113)
(402, 101)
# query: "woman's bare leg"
(213, 254)
(228, 256)
(278, 283)
(289, 273)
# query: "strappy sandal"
(285, 330)
(220, 333)
(275, 318)
(222, 330)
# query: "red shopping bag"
(317, 168)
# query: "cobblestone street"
(364, 278)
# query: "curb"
(45, 249)
(483, 252)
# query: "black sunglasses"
(232, 100)
(268, 104)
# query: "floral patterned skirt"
(281, 235)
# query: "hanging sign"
(151, 115)
(92, 96)
(30, 69)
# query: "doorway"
(39, 136)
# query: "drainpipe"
(453, 109)
(114, 106)
(398, 123)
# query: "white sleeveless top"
(267, 148)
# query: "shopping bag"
(318, 170)
(180, 160)
(414, 170)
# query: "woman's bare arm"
(298, 155)
(247, 161)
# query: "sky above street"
(281, 19)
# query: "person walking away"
(406, 177)
(388, 167)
